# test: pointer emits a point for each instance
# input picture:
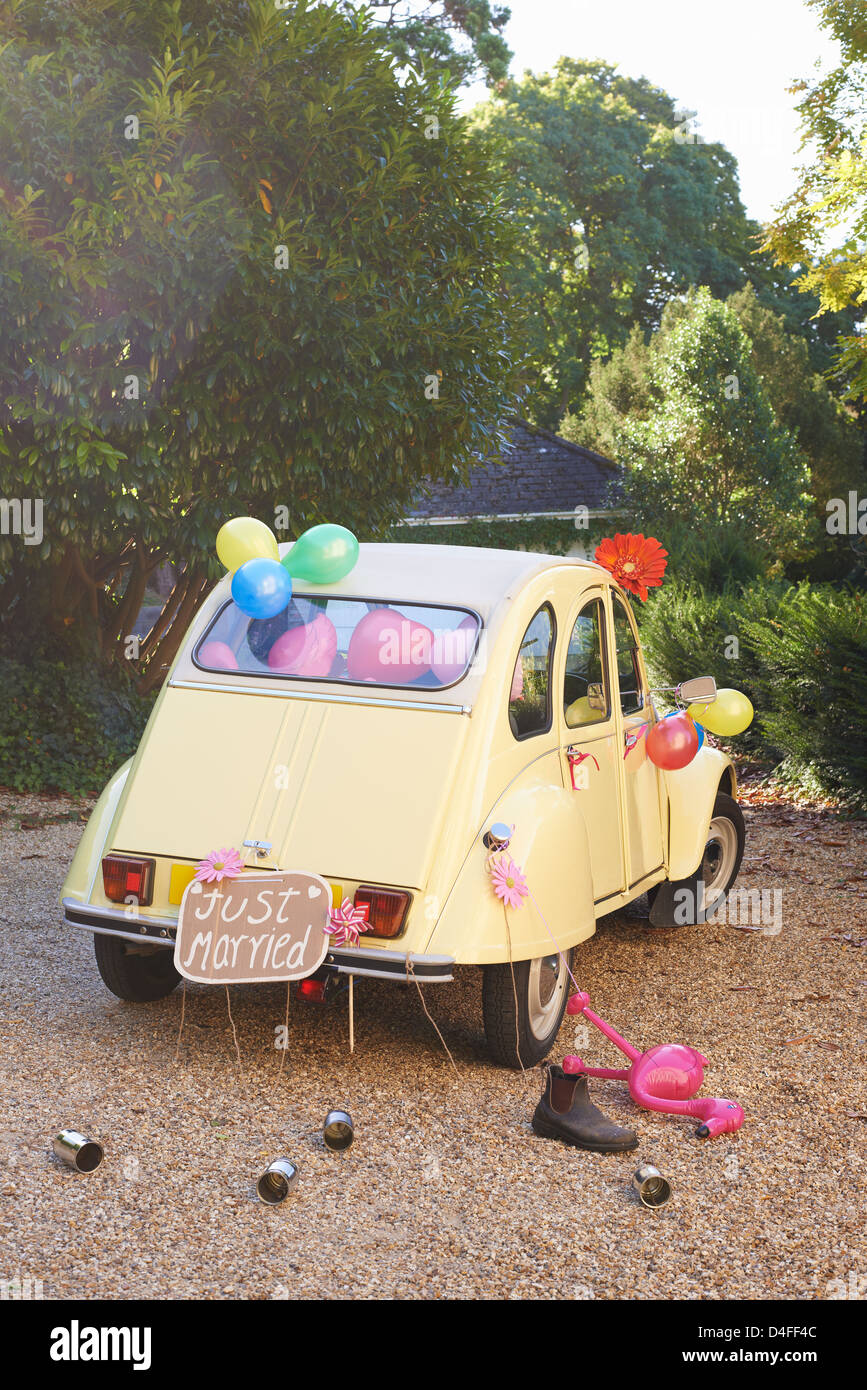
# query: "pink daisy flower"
(508, 880)
(219, 864)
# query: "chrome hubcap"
(547, 987)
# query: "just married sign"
(253, 928)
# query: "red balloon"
(673, 742)
(389, 648)
(451, 651)
(308, 650)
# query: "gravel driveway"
(446, 1192)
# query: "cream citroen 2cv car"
(387, 732)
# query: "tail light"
(124, 878)
(386, 909)
(313, 990)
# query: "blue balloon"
(700, 731)
(261, 588)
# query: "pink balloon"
(305, 651)
(219, 656)
(388, 648)
(451, 651)
(673, 742)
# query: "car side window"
(530, 693)
(628, 668)
(586, 698)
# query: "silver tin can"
(651, 1186)
(338, 1130)
(277, 1182)
(77, 1151)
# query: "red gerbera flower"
(637, 562)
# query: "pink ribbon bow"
(575, 760)
(633, 738)
(346, 924)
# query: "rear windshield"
(353, 640)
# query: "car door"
(590, 742)
(641, 777)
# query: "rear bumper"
(357, 960)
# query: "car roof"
(459, 575)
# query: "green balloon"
(322, 555)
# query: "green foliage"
(827, 432)
(65, 725)
(620, 211)
(718, 558)
(625, 389)
(813, 661)
(823, 226)
(265, 135)
(691, 420)
(801, 658)
(461, 38)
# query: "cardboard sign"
(253, 928)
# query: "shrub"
(813, 662)
(801, 659)
(65, 725)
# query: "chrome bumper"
(358, 960)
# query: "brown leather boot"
(566, 1112)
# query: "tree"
(690, 418)
(462, 38)
(621, 208)
(244, 267)
(827, 433)
(822, 229)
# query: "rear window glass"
(353, 640)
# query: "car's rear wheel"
(542, 988)
(139, 974)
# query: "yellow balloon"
(244, 538)
(730, 713)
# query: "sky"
(728, 60)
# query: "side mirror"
(701, 690)
(596, 697)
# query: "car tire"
(133, 975)
(542, 988)
(724, 848)
(720, 863)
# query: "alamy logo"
(77, 1343)
(853, 1287)
(22, 518)
(748, 908)
(19, 1288)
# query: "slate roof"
(541, 475)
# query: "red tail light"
(124, 878)
(314, 990)
(386, 909)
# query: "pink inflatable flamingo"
(663, 1078)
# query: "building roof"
(541, 475)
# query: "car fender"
(692, 791)
(550, 845)
(79, 880)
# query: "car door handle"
(575, 758)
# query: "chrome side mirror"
(701, 690)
